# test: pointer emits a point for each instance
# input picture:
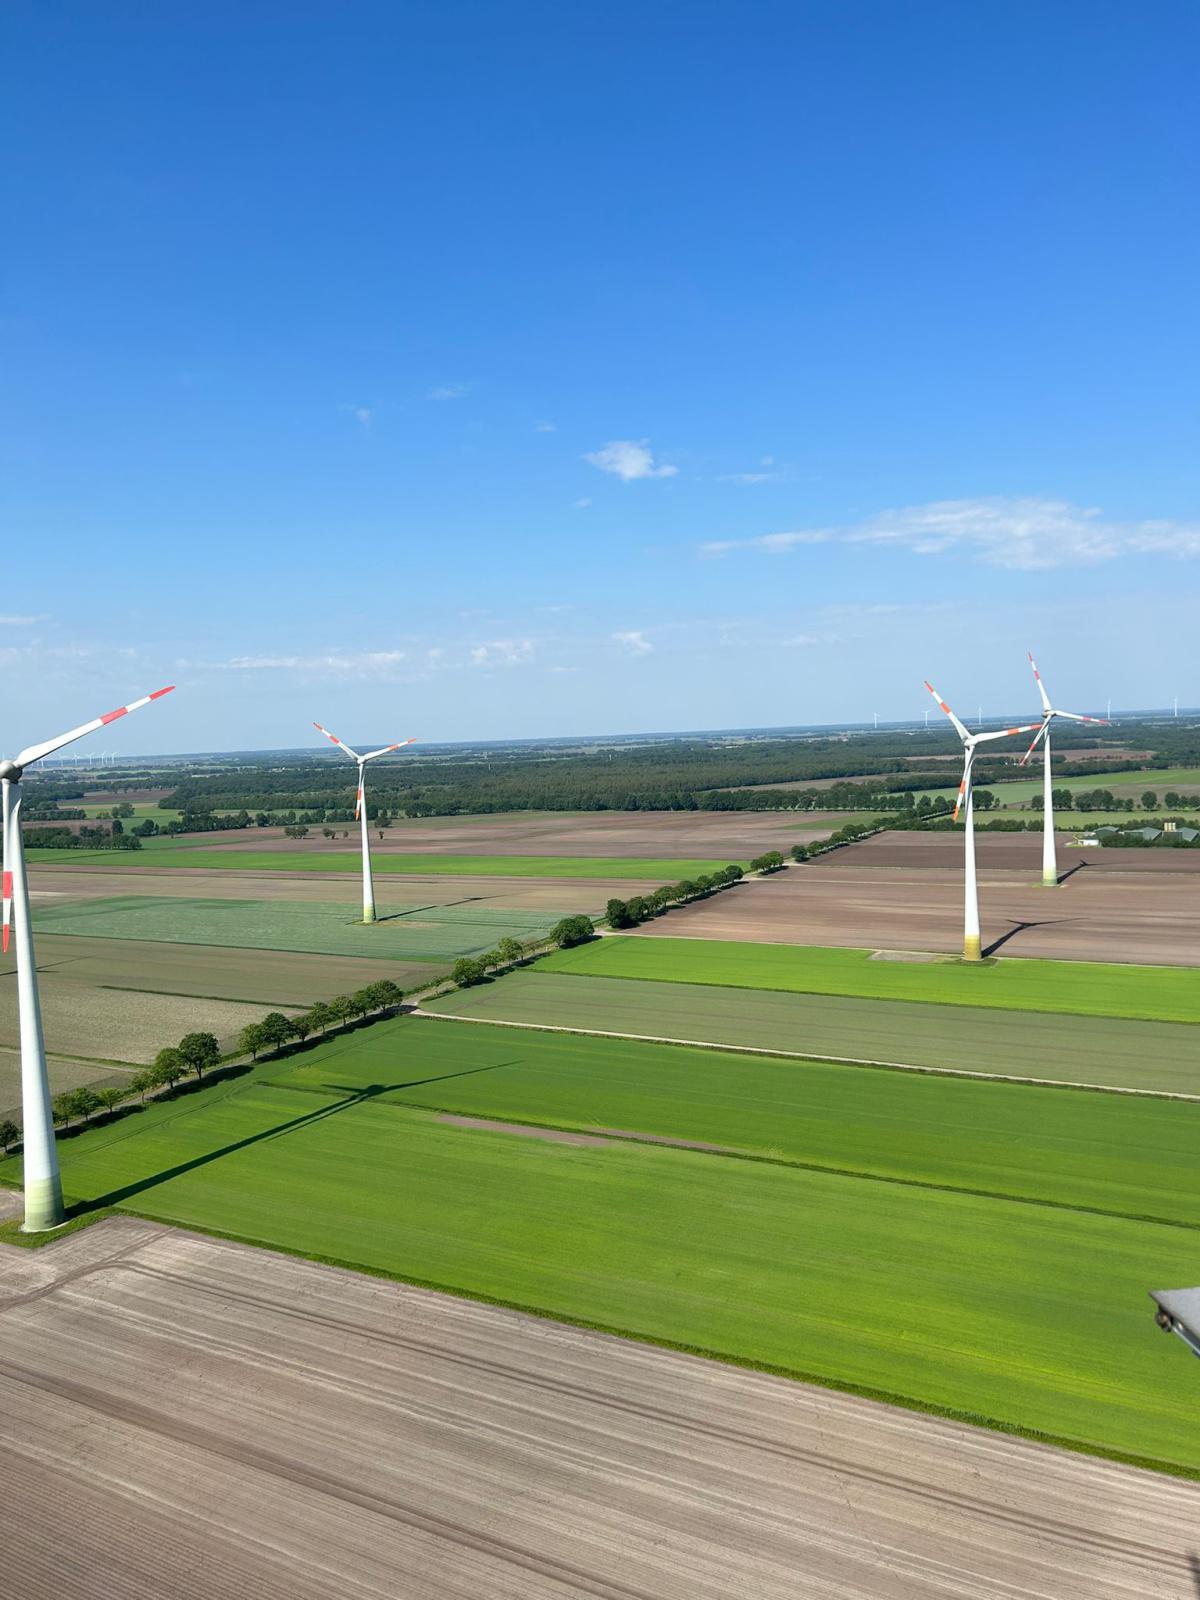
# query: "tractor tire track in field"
(226, 1420)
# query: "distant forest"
(877, 772)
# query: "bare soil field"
(89, 1023)
(911, 901)
(1018, 853)
(192, 1418)
(278, 978)
(50, 884)
(723, 835)
(64, 1074)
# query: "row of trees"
(81, 839)
(641, 907)
(846, 834)
(195, 1052)
(470, 970)
(275, 1030)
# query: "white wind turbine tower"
(360, 812)
(1049, 712)
(43, 1188)
(971, 945)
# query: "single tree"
(509, 950)
(572, 931)
(301, 1026)
(200, 1052)
(169, 1067)
(387, 994)
(9, 1134)
(617, 912)
(142, 1082)
(277, 1030)
(321, 1015)
(85, 1100)
(62, 1108)
(466, 972)
(342, 1007)
(252, 1039)
(111, 1097)
(1149, 800)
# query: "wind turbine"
(1049, 712)
(971, 946)
(43, 1187)
(360, 812)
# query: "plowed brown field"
(904, 892)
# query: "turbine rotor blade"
(333, 739)
(1041, 686)
(1073, 716)
(359, 797)
(35, 752)
(1037, 739)
(1004, 733)
(960, 729)
(370, 756)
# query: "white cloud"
(1027, 534)
(358, 663)
(544, 427)
(582, 505)
(23, 622)
(771, 543)
(749, 477)
(448, 391)
(502, 653)
(628, 459)
(633, 642)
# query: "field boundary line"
(807, 1055)
(838, 1385)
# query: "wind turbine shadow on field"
(115, 1196)
(1194, 1569)
(1021, 927)
(370, 1091)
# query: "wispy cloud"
(545, 427)
(1022, 534)
(766, 472)
(363, 415)
(629, 459)
(773, 544)
(502, 653)
(582, 504)
(358, 663)
(448, 391)
(15, 621)
(633, 642)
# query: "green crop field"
(411, 932)
(1014, 791)
(299, 860)
(1164, 994)
(1117, 1052)
(1031, 1315)
(1131, 1156)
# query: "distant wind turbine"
(1049, 712)
(43, 1187)
(971, 944)
(360, 812)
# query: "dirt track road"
(185, 1419)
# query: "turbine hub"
(10, 770)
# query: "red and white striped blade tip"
(134, 705)
(8, 902)
(35, 752)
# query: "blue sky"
(489, 370)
